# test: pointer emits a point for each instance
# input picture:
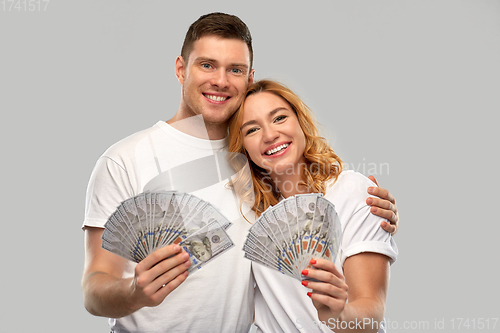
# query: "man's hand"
(158, 275)
(107, 294)
(384, 206)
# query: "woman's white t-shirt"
(281, 302)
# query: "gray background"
(405, 90)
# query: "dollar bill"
(286, 236)
(206, 244)
(151, 220)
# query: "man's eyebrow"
(240, 65)
(205, 59)
(215, 61)
(271, 114)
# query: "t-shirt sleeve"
(108, 186)
(364, 234)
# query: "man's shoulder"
(130, 142)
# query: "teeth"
(216, 98)
(277, 149)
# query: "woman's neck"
(290, 185)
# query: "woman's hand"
(330, 292)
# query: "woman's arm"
(366, 275)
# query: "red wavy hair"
(322, 164)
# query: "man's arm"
(384, 206)
(107, 294)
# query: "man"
(214, 69)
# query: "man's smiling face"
(214, 79)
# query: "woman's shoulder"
(349, 184)
(349, 178)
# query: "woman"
(277, 133)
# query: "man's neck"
(198, 128)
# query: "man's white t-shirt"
(281, 302)
(219, 296)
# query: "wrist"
(130, 301)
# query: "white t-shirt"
(219, 296)
(281, 302)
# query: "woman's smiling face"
(272, 135)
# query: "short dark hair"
(217, 24)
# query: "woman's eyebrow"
(250, 122)
(271, 114)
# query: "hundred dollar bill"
(206, 244)
(151, 220)
(290, 206)
(271, 261)
(125, 241)
(334, 236)
(260, 245)
(172, 228)
(306, 207)
(280, 239)
(286, 236)
(188, 207)
(314, 227)
(161, 212)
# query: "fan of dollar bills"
(288, 235)
(148, 221)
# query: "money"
(152, 220)
(206, 244)
(288, 235)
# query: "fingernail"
(185, 256)
(369, 200)
(305, 283)
(176, 248)
(187, 263)
(305, 272)
(313, 261)
(309, 294)
(370, 190)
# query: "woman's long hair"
(322, 164)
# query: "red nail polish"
(309, 294)
(313, 261)
(305, 272)
(305, 283)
